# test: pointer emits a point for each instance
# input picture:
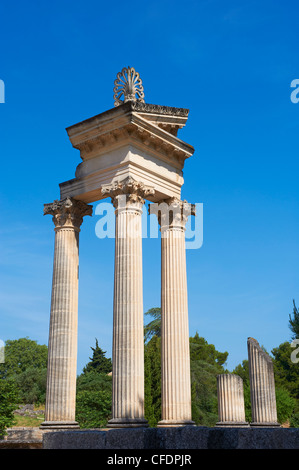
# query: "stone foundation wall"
(174, 438)
(22, 438)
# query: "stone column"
(262, 386)
(128, 331)
(62, 349)
(231, 409)
(175, 354)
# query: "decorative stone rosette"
(128, 85)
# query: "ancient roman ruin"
(231, 408)
(132, 154)
(262, 386)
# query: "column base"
(127, 423)
(232, 424)
(172, 423)
(59, 425)
(265, 425)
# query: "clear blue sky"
(231, 63)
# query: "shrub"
(93, 408)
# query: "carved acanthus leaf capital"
(172, 212)
(135, 191)
(68, 213)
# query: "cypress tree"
(98, 362)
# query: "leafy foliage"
(242, 370)
(8, 402)
(94, 381)
(26, 366)
(32, 384)
(200, 349)
(94, 391)
(294, 421)
(22, 354)
(93, 408)
(205, 363)
(153, 328)
(23, 379)
(285, 405)
(152, 380)
(286, 372)
(204, 393)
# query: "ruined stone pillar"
(175, 355)
(231, 409)
(128, 333)
(262, 386)
(62, 349)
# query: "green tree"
(152, 380)
(32, 385)
(98, 362)
(242, 370)
(152, 367)
(22, 354)
(153, 328)
(285, 405)
(8, 402)
(204, 392)
(206, 363)
(294, 322)
(286, 371)
(95, 382)
(200, 349)
(94, 391)
(294, 421)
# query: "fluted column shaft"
(175, 353)
(128, 330)
(262, 386)
(231, 409)
(62, 349)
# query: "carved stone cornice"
(151, 126)
(176, 152)
(67, 213)
(172, 212)
(134, 191)
(159, 109)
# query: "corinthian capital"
(172, 212)
(135, 191)
(68, 213)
